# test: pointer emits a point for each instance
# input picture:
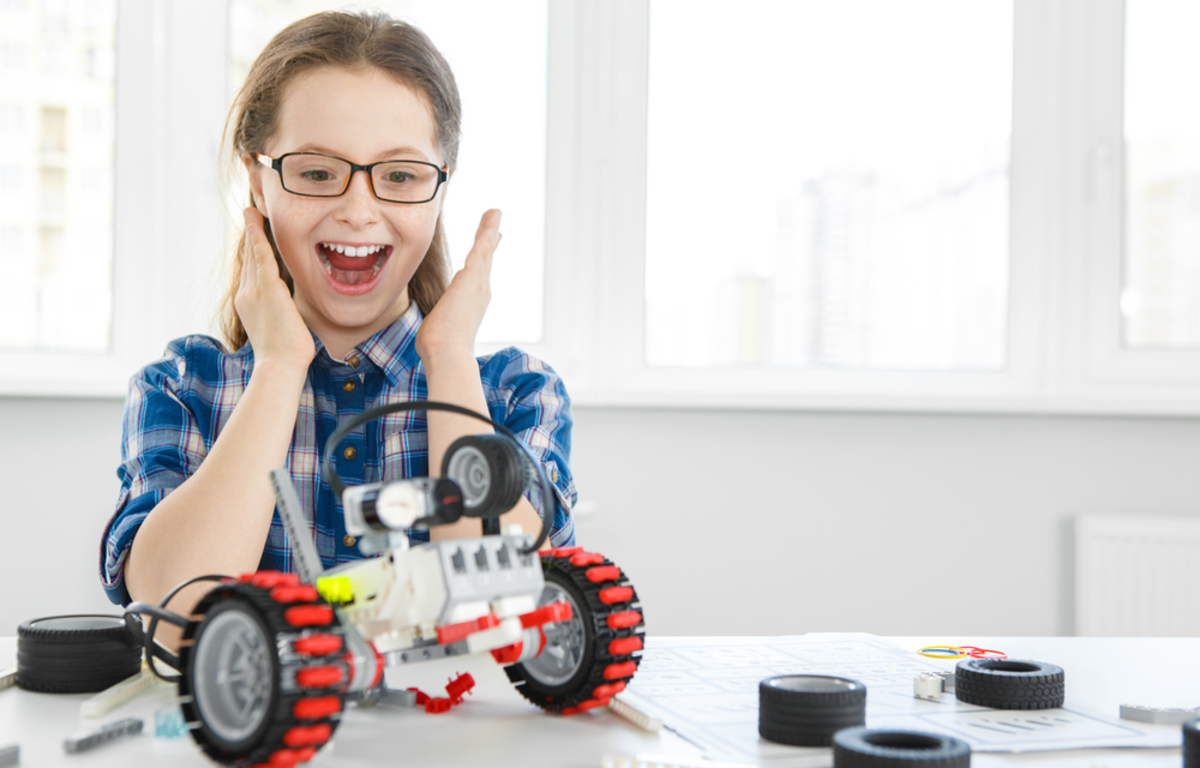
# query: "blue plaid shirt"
(178, 405)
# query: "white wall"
(728, 522)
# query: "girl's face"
(361, 115)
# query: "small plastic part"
(10, 755)
(130, 726)
(876, 748)
(319, 677)
(395, 698)
(623, 620)
(1010, 684)
(1191, 744)
(318, 645)
(547, 613)
(8, 678)
(634, 715)
(459, 687)
(118, 695)
(983, 653)
(929, 686)
(309, 615)
(317, 707)
(806, 710)
(304, 593)
(1158, 715)
(169, 724)
(436, 705)
(452, 633)
(335, 589)
(612, 595)
(602, 573)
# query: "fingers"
(262, 258)
(487, 237)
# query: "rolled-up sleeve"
(161, 446)
(530, 399)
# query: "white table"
(496, 727)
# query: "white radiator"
(1137, 576)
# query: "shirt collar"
(391, 349)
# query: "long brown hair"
(353, 40)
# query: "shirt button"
(354, 361)
(350, 453)
(348, 385)
(554, 475)
(349, 540)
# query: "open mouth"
(353, 266)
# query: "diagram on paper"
(706, 690)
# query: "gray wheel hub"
(469, 468)
(233, 675)
(565, 642)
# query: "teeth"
(357, 252)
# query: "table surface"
(496, 727)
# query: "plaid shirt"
(178, 405)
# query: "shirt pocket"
(405, 455)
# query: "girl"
(348, 126)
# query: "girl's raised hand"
(451, 327)
(268, 313)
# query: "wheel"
(806, 710)
(491, 472)
(1009, 684)
(877, 748)
(262, 670)
(591, 657)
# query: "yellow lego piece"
(335, 589)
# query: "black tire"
(1010, 684)
(1191, 744)
(75, 654)
(806, 710)
(593, 673)
(879, 748)
(246, 623)
(490, 470)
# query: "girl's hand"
(451, 327)
(265, 307)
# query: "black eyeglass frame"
(277, 164)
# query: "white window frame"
(1064, 351)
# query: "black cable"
(151, 649)
(549, 503)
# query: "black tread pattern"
(1191, 744)
(510, 474)
(808, 718)
(886, 748)
(55, 660)
(1010, 684)
(596, 632)
(259, 746)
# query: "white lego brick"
(506, 633)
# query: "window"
(55, 180)
(823, 190)
(1160, 302)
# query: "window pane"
(1160, 303)
(862, 150)
(56, 175)
(499, 61)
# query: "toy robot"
(270, 660)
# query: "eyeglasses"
(394, 181)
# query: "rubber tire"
(1010, 684)
(258, 747)
(802, 718)
(508, 470)
(880, 748)
(597, 636)
(53, 659)
(1191, 744)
